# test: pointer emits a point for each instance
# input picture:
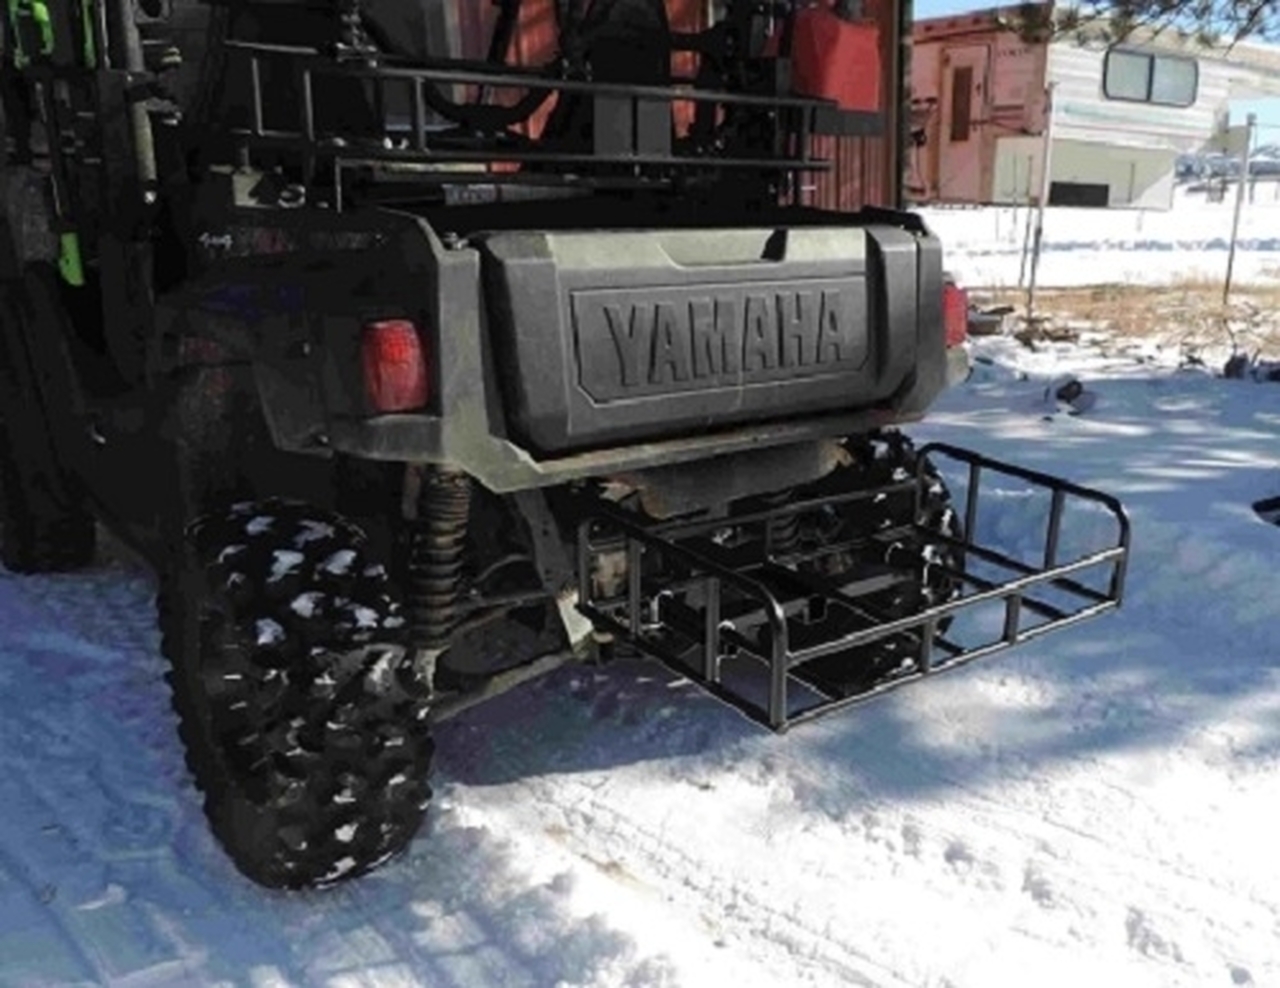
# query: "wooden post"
(1046, 168)
(1250, 122)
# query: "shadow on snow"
(112, 872)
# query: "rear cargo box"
(622, 336)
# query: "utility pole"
(1250, 122)
(1046, 168)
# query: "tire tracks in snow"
(1027, 873)
(38, 911)
(1063, 867)
(640, 861)
(83, 816)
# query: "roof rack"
(435, 135)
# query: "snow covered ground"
(1097, 807)
(984, 247)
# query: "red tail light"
(955, 314)
(395, 366)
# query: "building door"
(961, 141)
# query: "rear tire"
(44, 527)
(303, 721)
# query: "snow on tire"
(303, 721)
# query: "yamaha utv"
(423, 346)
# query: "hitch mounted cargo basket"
(743, 622)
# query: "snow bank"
(984, 246)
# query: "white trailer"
(1122, 113)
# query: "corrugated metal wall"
(863, 167)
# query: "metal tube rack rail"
(422, 85)
(768, 609)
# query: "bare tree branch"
(1202, 22)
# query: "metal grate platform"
(749, 623)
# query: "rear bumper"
(503, 466)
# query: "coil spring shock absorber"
(783, 532)
(436, 554)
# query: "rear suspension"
(437, 553)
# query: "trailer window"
(1144, 77)
(1173, 81)
(1128, 75)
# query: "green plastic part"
(70, 264)
(40, 14)
(86, 25)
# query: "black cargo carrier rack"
(434, 135)
(766, 611)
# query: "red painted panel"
(831, 58)
(864, 168)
